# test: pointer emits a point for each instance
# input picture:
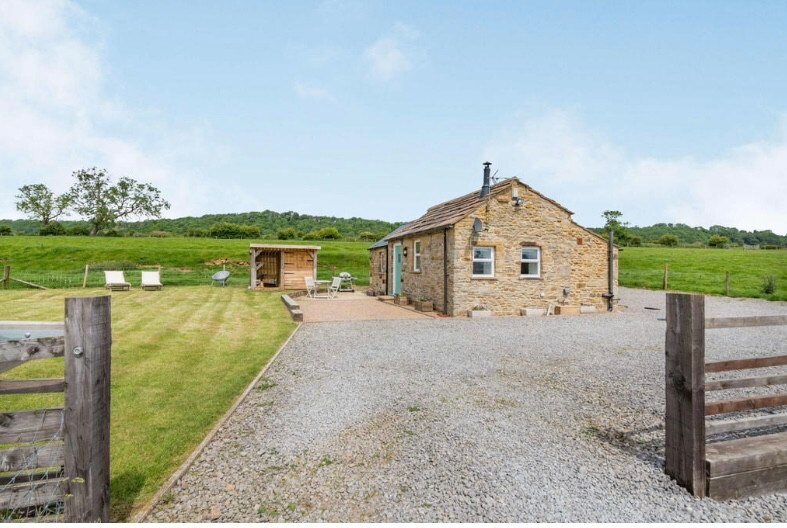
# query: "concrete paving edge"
(147, 508)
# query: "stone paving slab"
(354, 308)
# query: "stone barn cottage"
(507, 248)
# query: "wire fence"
(31, 468)
(94, 276)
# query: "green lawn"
(702, 270)
(180, 357)
(59, 262)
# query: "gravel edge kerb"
(148, 508)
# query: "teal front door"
(397, 270)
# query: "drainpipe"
(610, 271)
(386, 269)
(445, 271)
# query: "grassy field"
(703, 270)
(180, 357)
(59, 262)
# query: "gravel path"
(503, 419)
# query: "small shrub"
(668, 240)
(770, 246)
(160, 234)
(288, 233)
(769, 285)
(52, 229)
(635, 241)
(196, 232)
(78, 231)
(5, 230)
(718, 241)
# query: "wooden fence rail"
(72, 467)
(730, 468)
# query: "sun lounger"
(114, 280)
(151, 280)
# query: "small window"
(382, 262)
(531, 262)
(483, 262)
(417, 255)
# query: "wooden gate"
(730, 468)
(56, 461)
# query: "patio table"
(319, 283)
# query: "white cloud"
(316, 93)
(392, 55)
(57, 116)
(560, 156)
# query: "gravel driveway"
(502, 419)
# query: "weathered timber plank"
(16, 351)
(685, 391)
(749, 483)
(748, 363)
(731, 426)
(32, 457)
(31, 426)
(86, 437)
(25, 386)
(742, 322)
(18, 478)
(741, 383)
(31, 494)
(746, 454)
(745, 404)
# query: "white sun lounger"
(114, 280)
(151, 280)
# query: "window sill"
(482, 277)
(528, 277)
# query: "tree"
(618, 228)
(104, 204)
(718, 241)
(5, 230)
(40, 203)
(668, 240)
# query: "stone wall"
(571, 257)
(428, 282)
(376, 273)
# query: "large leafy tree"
(613, 223)
(38, 202)
(104, 204)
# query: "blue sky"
(667, 111)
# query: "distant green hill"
(270, 224)
(688, 235)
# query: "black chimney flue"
(485, 188)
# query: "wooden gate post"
(88, 344)
(685, 391)
(6, 276)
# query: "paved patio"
(354, 306)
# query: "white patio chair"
(151, 280)
(336, 285)
(311, 287)
(114, 280)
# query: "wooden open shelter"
(281, 266)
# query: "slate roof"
(448, 213)
(384, 241)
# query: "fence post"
(664, 280)
(6, 276)
(88, 344)
(84, 279)
(727, 283)
(684, 433)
